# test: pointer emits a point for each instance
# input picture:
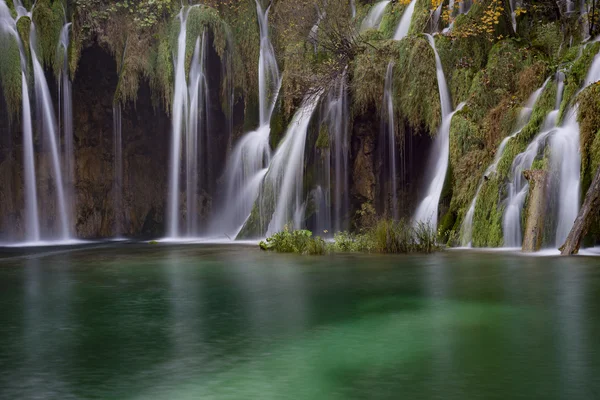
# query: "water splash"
(525, 115)
(404, 25)
(428, 208)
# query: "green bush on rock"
(387, 236)
(299, 241)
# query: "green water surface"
(136, 321)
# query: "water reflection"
(215, 322)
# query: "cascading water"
(467, 225)
(338, 130)
(405, 20)
(66, 116)
(189, 126)
(374, 17)
(246, 166)
(284, 179)
(118, 170)
(565, 163)
(179, 110)
(45, 110)
(32, 231)
(428, 208)
(518, 187)
(388, 136)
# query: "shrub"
(299, 241)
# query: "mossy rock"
(10, 74)
(588, 116)
(487, 220)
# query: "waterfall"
(404, 25)
(246, 166)
(518, 187)
(66, 115)
(388, 137)
(336, 118)
(353, 8)
(269, 80)
(117, 170)
(197, 95)
(45, 111)
(525, 115)
(285, 177)
(32, 223)
(374, 17)
(189, 131)
(565, 162)
(179, 103)
(428, 208)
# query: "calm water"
(216, 322)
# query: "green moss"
(487, 220)
(415, 84)
(10, 74)
(161, 72)
(575, 75)
(588, 117)
(323, 139)
(421, 17)
(48, 17)
(547, 38)
(391, 18)
(544, 105)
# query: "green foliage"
(547, 38)
(294, 241)
(388, 236)
(346, 242)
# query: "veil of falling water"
(428, 208)
(45, 111)
(405, 20)
(66, 116)
(49, 129)
(8, 28)
(467, 225)
(189, 133)
(388, 137)
(331, 195)
(247, 164)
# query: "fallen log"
(536, 209)
(584, 219)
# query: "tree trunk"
(536, 208)
(584, 219)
